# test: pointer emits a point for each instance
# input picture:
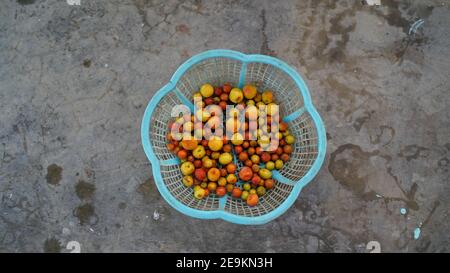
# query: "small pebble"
(155, 215)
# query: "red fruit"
(227, 148)
(221, 191)
(227, 88)
(205, 143)
(255, 180)
(283, 126)
(284, 157)
(197, 163)
(248, 163)
(282, 142)
(200, 174)
(223, 105)
(191, 158)
(246, 144)
(238, 149)
(182, 154)
(258, 150)
(224, 97)
(252, 199)
(275, 157)
(237, 192)
(209, 101)
(265, 157)
(218, 91)
(231, 168)
(287, 149)
(223, 172)
(269, 183)
(243, 156)
(255, 168)
(245, 173)
(170, 146)
(251, 151)
(279, 151)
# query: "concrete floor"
(74, 82)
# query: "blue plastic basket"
(291, 93)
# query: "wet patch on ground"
(54, 174)
(84, 190)
(86, 214)
(52, 245)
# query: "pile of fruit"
(209, 166)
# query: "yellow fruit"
(267, 97)
(222, 181)
(249, 91)
(213, 174)
(187, 168)
(236, 95)
(189, 144)
(279, 164)
(207, 90)
(199, 152)
(258, 98)
(225, 158)
(215, 143)
(290, 139)
(188, 181)
(215, 155)
(199, 193)
(237, 139)
(270, 165)
(265, 173)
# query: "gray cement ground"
(74, 82)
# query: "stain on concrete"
(360, 172)
(359, 122)
(345, 164)
(265, 48)
(84, 190)
(52, 245)
(393, 14)
(414, 151)
(86, 214)
(54, 174)
(87, 63)
(146, 187)
(182, 28)
(337, 53)
(385, 136)
(349, 98)
(410, 196)
(122, 205)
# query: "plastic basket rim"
(221, 214)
